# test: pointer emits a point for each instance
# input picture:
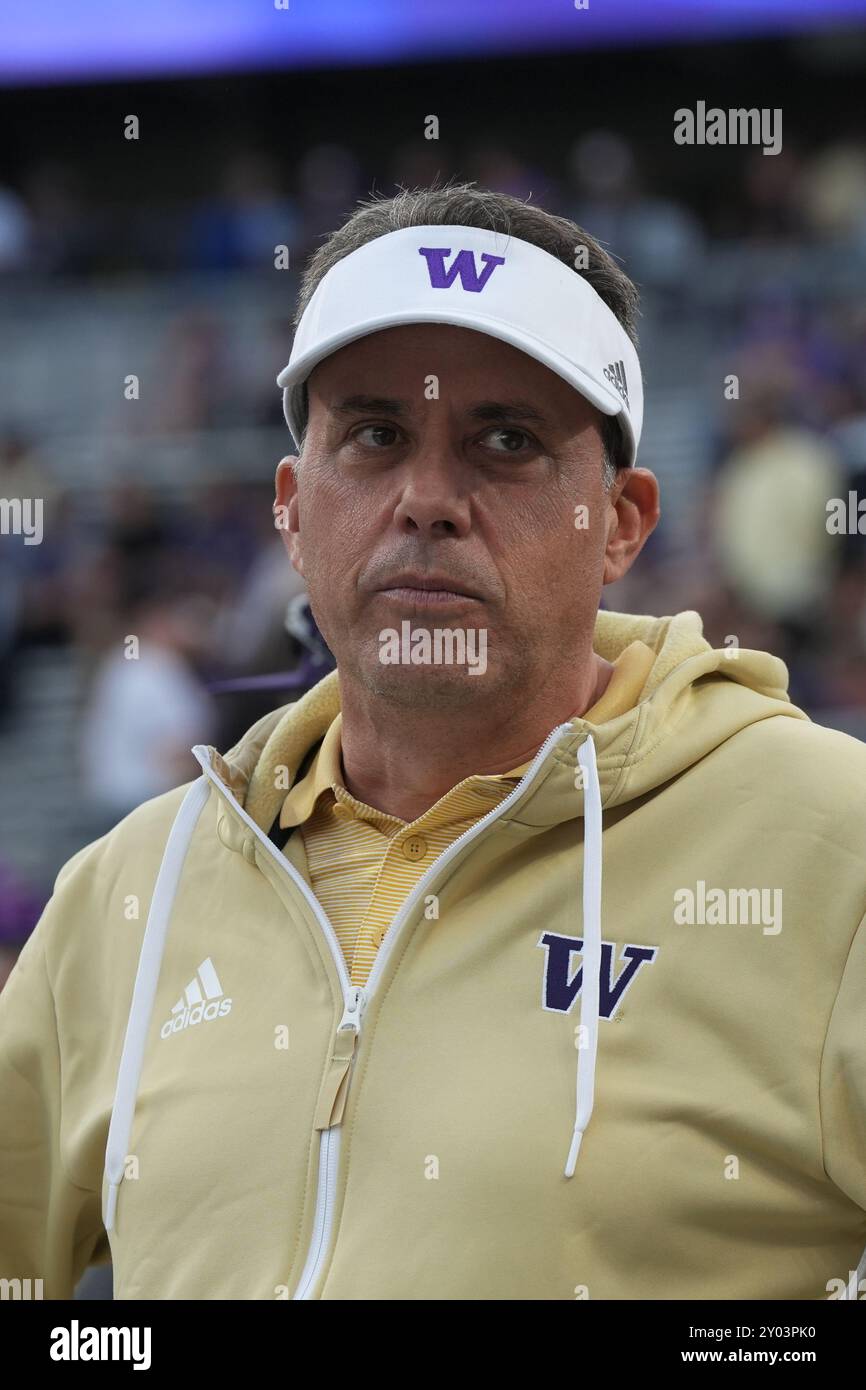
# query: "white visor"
(474, 278)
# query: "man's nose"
(435, 491)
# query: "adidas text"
(190, 1017)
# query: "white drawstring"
(591, 950)
(144, 991)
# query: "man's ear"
(633, 514)
(286, 515)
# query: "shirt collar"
(325, 772)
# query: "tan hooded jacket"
(645, 968)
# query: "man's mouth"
(427, 598)
(427, 591)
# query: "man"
(540, 976)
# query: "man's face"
(442, 452)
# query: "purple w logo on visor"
(462, 265)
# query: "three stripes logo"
(201, 1001)
(615, 374)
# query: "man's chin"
(427, 687)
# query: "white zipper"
(356, 997)
(323, 1220)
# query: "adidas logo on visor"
(615, 374)
(201, 1001)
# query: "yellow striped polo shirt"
(362, 863)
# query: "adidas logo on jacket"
(200, 1001)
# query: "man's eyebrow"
(371, 405)
(499, 412)
(502, 412)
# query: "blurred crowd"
(54, 222)
(184, 621)
(202, 581)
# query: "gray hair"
(464, 205)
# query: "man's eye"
(510, 441)
(372, 436)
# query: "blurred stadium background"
(262, 126)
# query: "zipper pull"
(354, 1009)
(332, 1097)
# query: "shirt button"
(415, 847)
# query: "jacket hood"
(695, 698)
